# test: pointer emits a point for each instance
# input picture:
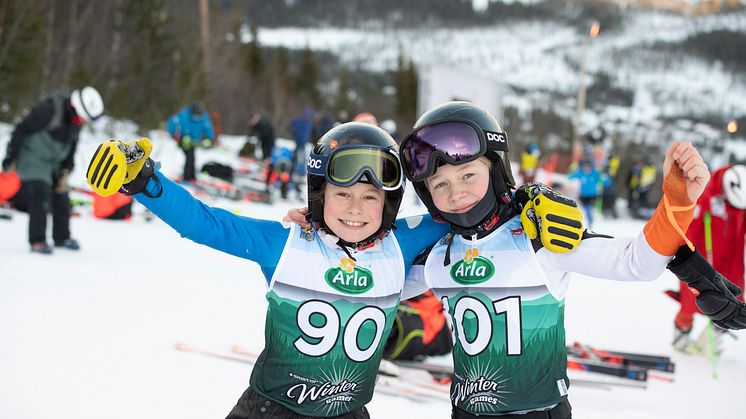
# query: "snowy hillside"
(539, 61)
(91, 334)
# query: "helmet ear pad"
(316, 200)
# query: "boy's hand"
(115, 164)
(556, 219)
(687, 167)
(297, 216)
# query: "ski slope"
(91, 334)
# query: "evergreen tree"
(405, 82)
(22, 34)
(343, 91)
(159, 74)
(280, 84)
(254, 63)
(308, 77)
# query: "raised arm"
(644, 257)
(116, 166)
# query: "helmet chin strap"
(475, 215)
(366, 243)
(481, 219)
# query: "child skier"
(324, 338)
(503, 292)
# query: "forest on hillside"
(150, 57)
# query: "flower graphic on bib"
(470, 255)
(347, 264)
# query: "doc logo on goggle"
(314, 163)
(495, 136)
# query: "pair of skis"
(626, 365)
(407, 384)
(593, 367)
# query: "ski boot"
(682, 341)
(71, 244)
(42, 248)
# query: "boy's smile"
(353, 213)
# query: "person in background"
(301, 127)
(42, 150)
(261, 127)
(589, 179)
(648, 174)
(633, 193)
(280, 170)
(191, 128)
(609, 178)
(530, 162)
(366, 118)
(321, 125)
(721, 215)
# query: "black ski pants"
(190, 172)
(253, 406)
(561, 411)
(38, 199)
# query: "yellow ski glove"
(556, 219)
(115, 164)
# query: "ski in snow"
(651, 362)
(390, 386)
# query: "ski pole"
(710, 258)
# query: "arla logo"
(348, 278)
(472, 269)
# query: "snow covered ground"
(91, 334)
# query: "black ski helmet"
(353, 133)
(460, 111)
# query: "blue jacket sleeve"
(209, 129)
(172, 124)
(416, 234)
(261, 241)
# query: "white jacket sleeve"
(606, 257)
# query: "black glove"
(139, 183)
(717, 296)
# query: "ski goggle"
(453, 142)
(346, 165)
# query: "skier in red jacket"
(722, 203)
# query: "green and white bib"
(327, 323)
(508, 328)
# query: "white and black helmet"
(734, 186)
(87, 103)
